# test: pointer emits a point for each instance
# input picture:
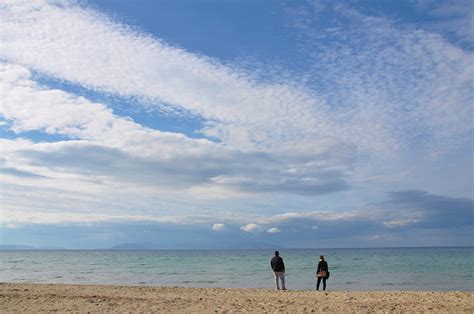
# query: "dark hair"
(321, 257)
(277, 253)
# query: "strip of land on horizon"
(22, 297)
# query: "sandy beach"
(97, 298)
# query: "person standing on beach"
(322, 272)
(278, 268)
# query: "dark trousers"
(319, 281)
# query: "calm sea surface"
(351, 269)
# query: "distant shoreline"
(99, 298)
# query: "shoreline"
(28, 297)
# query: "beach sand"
(98, 298)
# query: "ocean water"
(351, 269)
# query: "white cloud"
(399, 223)
(70, 43)
(251, 227)
(31, 107)
(273, 230)
(407, 85)
(372, 103)
(116, 147)
(218, 227)
(103, 153)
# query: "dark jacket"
(322, 265)
(277, 264)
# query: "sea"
(427, 269)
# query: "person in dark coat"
(322, 272)
(278, 268)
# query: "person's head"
(321, 257)
(277, 253)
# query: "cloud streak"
(85, 47)
(103, 145)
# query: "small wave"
(306, 268)
(200, 281)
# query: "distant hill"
(15, 247)
(134, 246)
(214, 246)
(20, 247)
(144, 246)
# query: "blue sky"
(236, 124)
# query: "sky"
(236, 124)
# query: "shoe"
(283, 289)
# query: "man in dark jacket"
(278, 268)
